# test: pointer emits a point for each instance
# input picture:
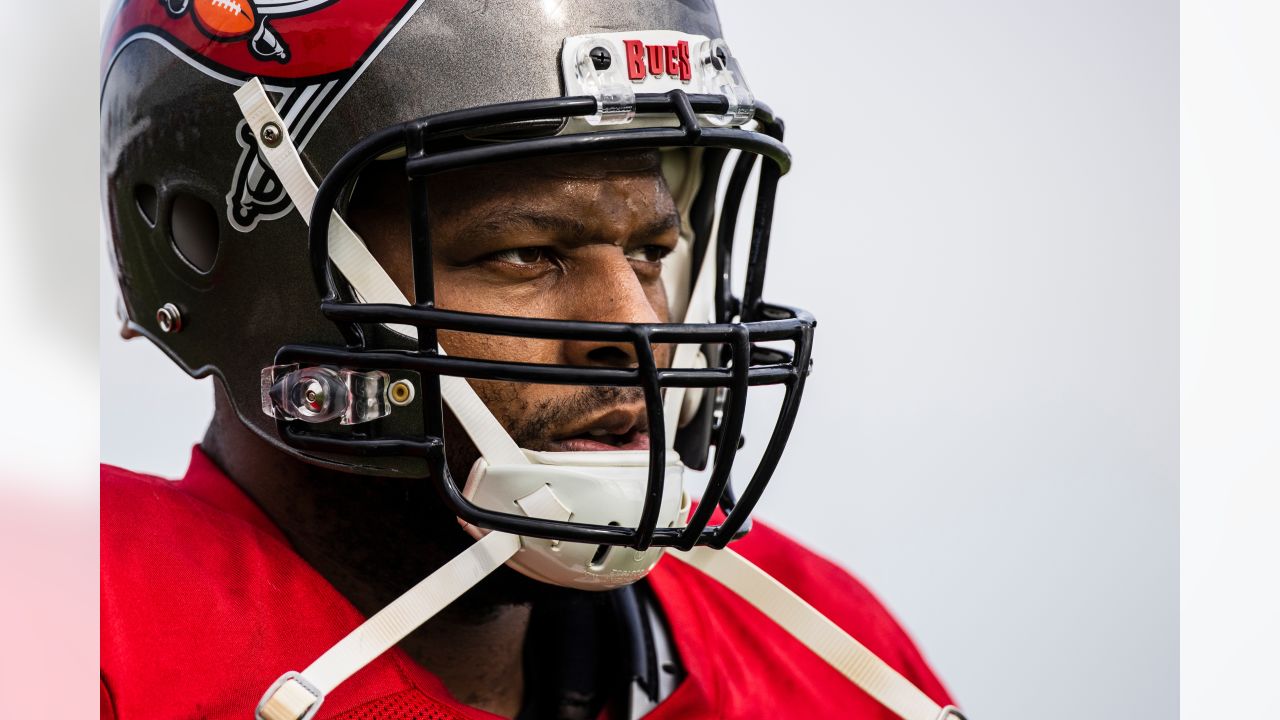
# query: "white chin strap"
(585, 487)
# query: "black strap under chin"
(585, 651)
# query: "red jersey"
(204, 605)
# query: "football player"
(463, 272)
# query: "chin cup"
(597, 488)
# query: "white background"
(1230, 358)
(983, 215)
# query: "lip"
(633, 440)
(626, 428)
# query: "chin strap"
(298, 695)
(826, 639)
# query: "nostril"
(610, 355)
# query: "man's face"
(577, 238)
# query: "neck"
(374, 538)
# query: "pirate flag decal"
(307, 52)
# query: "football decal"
(306, 52)
(225, 19)
(231, 20)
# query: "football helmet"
(320, 354)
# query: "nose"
(608, 291)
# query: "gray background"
(983, 216)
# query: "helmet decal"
(307, 52)
(244, 20)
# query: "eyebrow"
(504, 219)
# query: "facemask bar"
(769, 323)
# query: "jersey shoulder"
(126, 494)
(164, 506)
(177, 583)
(204, 606)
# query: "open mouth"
(602, 440)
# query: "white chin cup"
(597, 488)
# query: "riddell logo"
(658, 60)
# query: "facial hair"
(446, 537)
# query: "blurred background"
(983, 216)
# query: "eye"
(522, 256)
(649, 253)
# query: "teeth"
(597, 433)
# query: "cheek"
(459, 290)
(510, 402)
(476, 290)
(656, 292)
(498, 347)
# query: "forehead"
(633, 177)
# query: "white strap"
(490, 438)
(296, 696)
(368, 278)
(380, 632)
(828, 640)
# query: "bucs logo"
(658, 60)
(307, 52)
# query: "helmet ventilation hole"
(193, 228)
(602, 552)
(597, 560)
(145, 197)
